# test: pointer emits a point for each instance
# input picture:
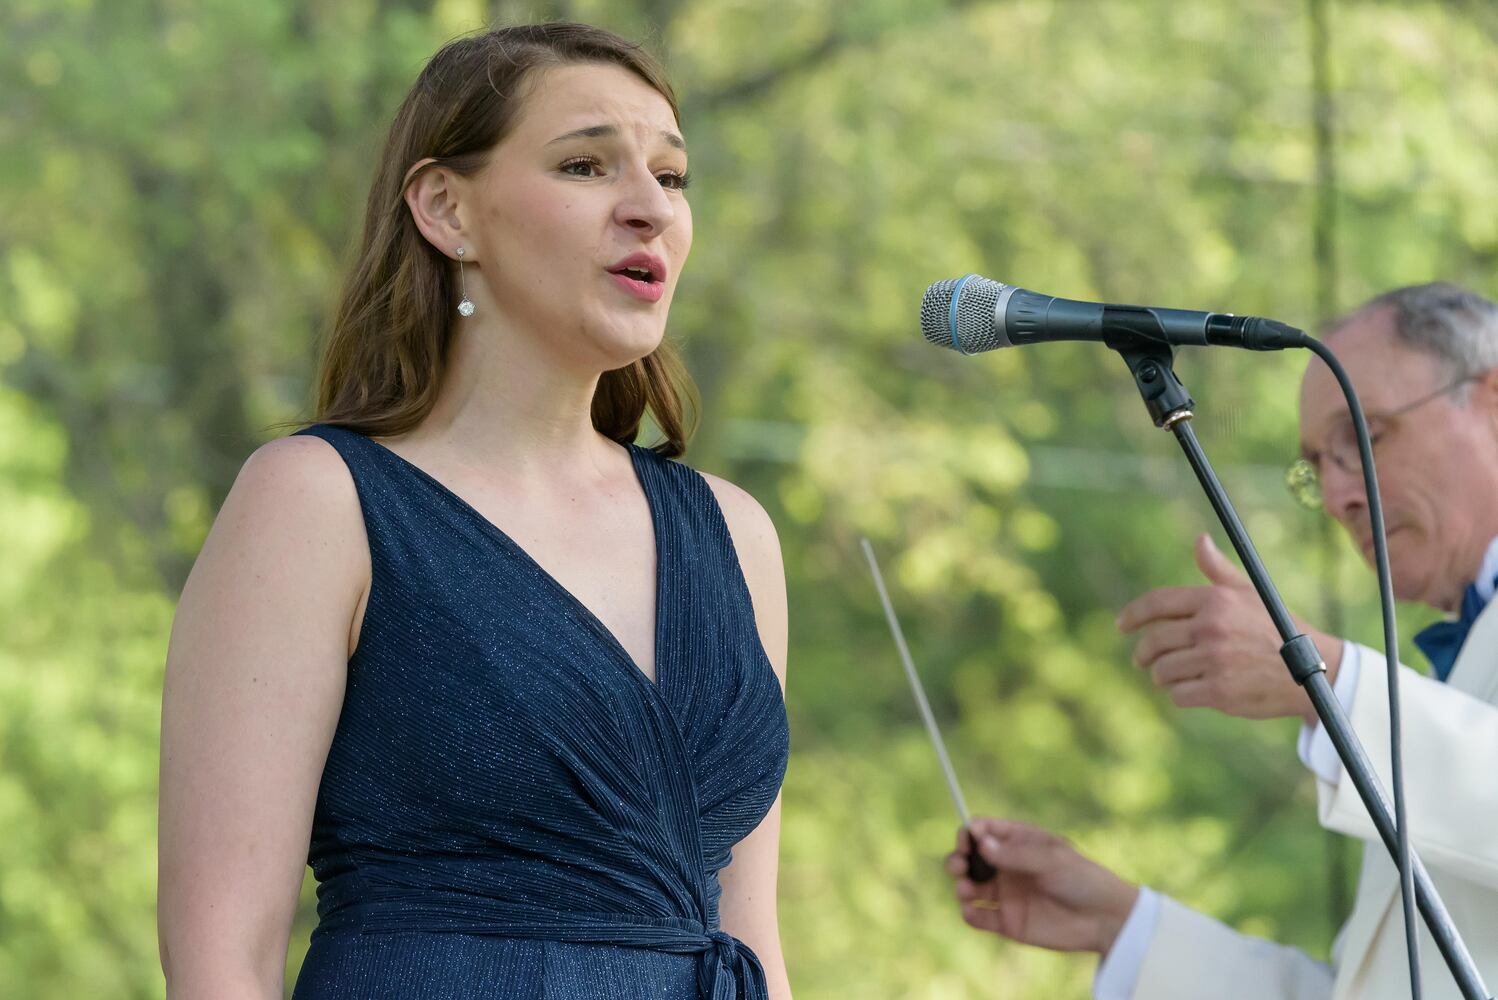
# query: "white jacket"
(1451, 799)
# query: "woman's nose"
(644, 206)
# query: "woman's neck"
(503, 405)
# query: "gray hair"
(1458, 327)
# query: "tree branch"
(758, 84)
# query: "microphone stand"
(1170, 407)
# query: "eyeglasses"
(1302, 478)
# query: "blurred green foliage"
(180, 184)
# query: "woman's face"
(582, 226)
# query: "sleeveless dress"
(510, 808)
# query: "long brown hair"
(386, 354)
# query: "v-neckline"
(586, 613)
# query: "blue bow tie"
(1442, 641)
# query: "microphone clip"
(1150, 362)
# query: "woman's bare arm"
(254, 684)
(748, 909)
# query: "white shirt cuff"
(1118, 972)
(1314, 745)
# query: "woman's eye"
(674, 181)
(580, 168)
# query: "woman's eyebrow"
(609, 132)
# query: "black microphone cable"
(1391, 654)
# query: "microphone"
(974, 314)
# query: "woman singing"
(515, 679)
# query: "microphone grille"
(961, 314)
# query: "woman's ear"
(434, 198)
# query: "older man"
(1425, 363)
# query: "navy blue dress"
(510, 808)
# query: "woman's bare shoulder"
(747, 519)
(298, 469)
(297, 483)
(758, 548)
(291, 521)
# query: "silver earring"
(465, 305)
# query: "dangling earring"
(465, 306)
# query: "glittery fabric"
(510, 807)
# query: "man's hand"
(1045, 894)
(1216, 647)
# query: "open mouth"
(640, 266)
(641, 275)
(637, 274)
